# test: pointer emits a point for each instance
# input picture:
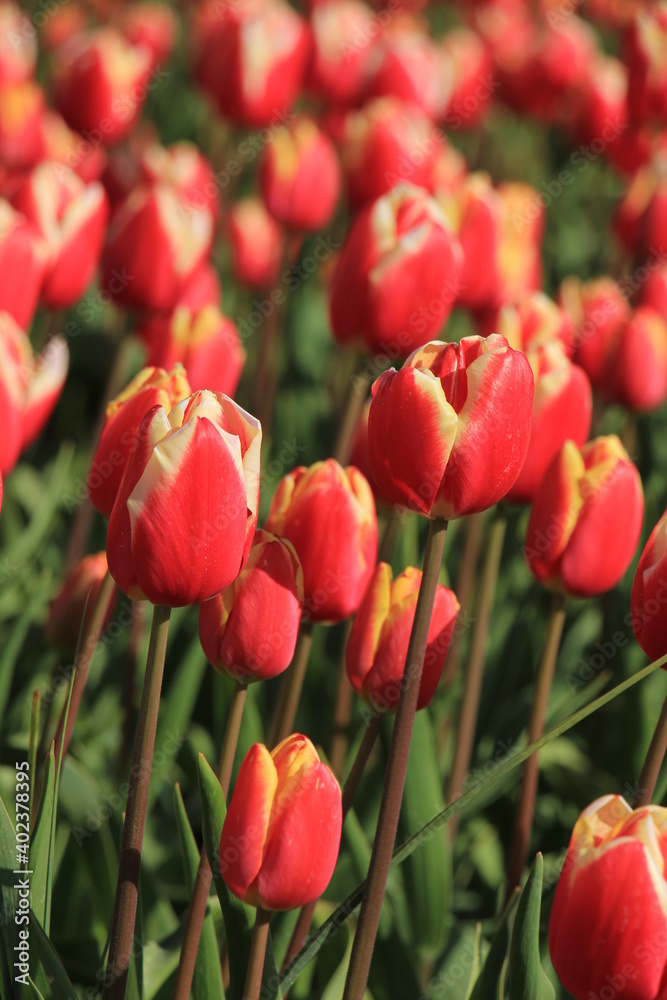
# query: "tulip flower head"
(281, 834)
(649, 594)
(249, 631)
(586, 518)
(448, 434)
(183, 520)
(608, 926)
(378, 644)
(78, 594)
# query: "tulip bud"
(598, 309)
(408, 65)
(151, 387)
(30, 387)
(473, 81)
(82, 584)
(152, 26)
(204, 341)
(585, 522)
(608, 930)
(71, 216)
(156, 242)
(188, 172)
(562, 411)
(263, 46)
(23, 257)
(396, 277)
(378, 645)
(534, 320)
(649, 594)
(638, 370)
(448, 434)
(183, 520)
(18, 45)
(328, 515)
(270, 591)
(22, 107)
(342, 44)
(300, 177)
(101, 84)
(256, 242)
(286, 812)
(384, 143)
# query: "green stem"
(127, 888)
(472, 685)
(284, 715)
(89, 640)
(260, 935)
(523, 817)
(653, 762)
(392, 792)
(202, 887)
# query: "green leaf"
(50, 975)
(14, 644)
(488, 986)
(40, 843)
(7, 898)
(33, 740)
(526, 977)
(207, 979)
(348, 906)
(239, 919)
(427, 873)
(476, 962)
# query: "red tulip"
(328, 515)
(637, 376)
(649, 594)
(101, 84)
(263, 46)
(270, 591)
(534, 320)
(448, 434)
(378, 644)
(344, 36)
(300, 177)
(183, 520)
(204, 341)
(30, 386)
(386, 142)
(646, 58)
(256, 241)
(151, 25)
(151, 387)
(408, 65)
(473, 81)
(562, 410)
(71, 217)
(608, 929)
(186, 170)
(18, 45)
(22, 107)
(281, 834)
(397, 275)
(598, 310)
(82, 584)
(156, 242)
(585, 522)
(23, 258)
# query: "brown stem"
(653, 762)
(203, 878)
(282, 723)
(260, 935)
(121, 939)
(392, 792)
(89, 640)
(138, 613)
(523, 817)
(354, 404)
(472, 685)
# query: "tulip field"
(333, 488)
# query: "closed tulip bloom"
(183, 521)
(151, 387)
(339, 65)
(71, 217)
(608, 925)
(30, 387)
(407, 64)
(281, 835)
(101, 83)
(22, 108)
(532, 321)
(204, 341)
(473, 82)
(82, 584)
(23, 260)
(249, 631)
(637, 377)
(397, 275)
(153, 26)
(649, 594)
(378, 644)
(328, 514)
(586, 518)
(186, 170)
(598, 310)
(264, 47)
(156, 243)
(448, 434)
(257, 243)
(562, 411)
(300, 177)
(645, 56)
